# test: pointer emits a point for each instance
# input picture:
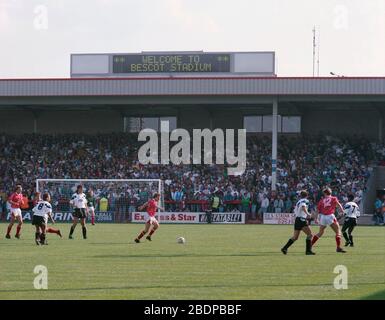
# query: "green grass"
(217, 262)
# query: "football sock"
(314, 240)
(308, 244)
(84, 230)
(338, 241)
(345, 236)
(42, 238)
(152, 232)
(18, 229)
(92, 219)
(141, 234)
(52, 230)
(351, 238)
(72, 230)
(37, 235)
(9, 229)
(288, 244)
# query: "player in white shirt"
(351, 213)
(79, 203)
(302, 218)
(41, 212)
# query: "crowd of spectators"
(304, 162)
(379, 210)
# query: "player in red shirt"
(16, 201)
(152, 206)
(326, 209)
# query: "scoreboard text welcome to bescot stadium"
(142, 63)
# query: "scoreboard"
(172, 63)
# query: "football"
(181, 240)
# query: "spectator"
(1, 208)
(246, 201)
(120, 208)
(278, 205)
(215, 202)
(103, 204)
(254, 204)
(288, 205)
(178, 197)
(264, 206)
(378, 211)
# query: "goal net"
(115, 199)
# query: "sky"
(38, 36)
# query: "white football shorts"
(152, 220)
(16, 212)
(327, 220)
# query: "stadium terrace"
(180, 152)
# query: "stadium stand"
(305, 162)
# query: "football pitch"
(217, 262)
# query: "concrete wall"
(16, 122)
(200, 117)
(193, 118)
(228, 119)
(61, 121)
(189, 117)
(80, 121)
(341, 122)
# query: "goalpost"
(118, 196)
